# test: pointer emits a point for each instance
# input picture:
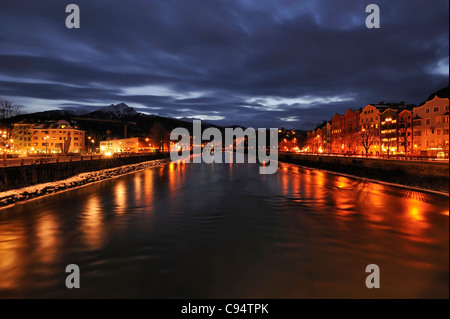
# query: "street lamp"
(93, 141)
(46, 144)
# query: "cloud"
(234, 61)
(290, 119)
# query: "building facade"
(337, 134)
(387, 129)
(430, 127)
(22, 135)
(56, 137)
(127, 145)
(351, 132)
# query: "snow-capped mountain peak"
(119, 111)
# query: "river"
(225, 231)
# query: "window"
(446, 131)
(445, 119)
(427, 121)
(438, 131)
(427, 111)
(436, 109)
(438, 120)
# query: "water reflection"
(120, 193)
(12, 241)
(225, 231)
(92, 224)
(47, 235)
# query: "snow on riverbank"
(22, 194)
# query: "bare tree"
(368, 138)
(159, 135)
(67, 143)
(403, 136)
(7, 111)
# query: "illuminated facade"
(351, 131)
(386, 129)
(21, 137)
(369, 123)
(51, 137)
(430, 127)
(337, 134)
(388, 132)
(405, 132)
(57, 137)
(127, 145)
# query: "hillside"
(112, 118)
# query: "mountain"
(48, 115)
(113, 112)
(114, 118)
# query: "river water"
(225, 231)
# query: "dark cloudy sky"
(260, 63)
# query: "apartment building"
(431, 128)
(351, 131)
(57, 137)
(337, 134)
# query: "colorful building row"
(386, 129)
